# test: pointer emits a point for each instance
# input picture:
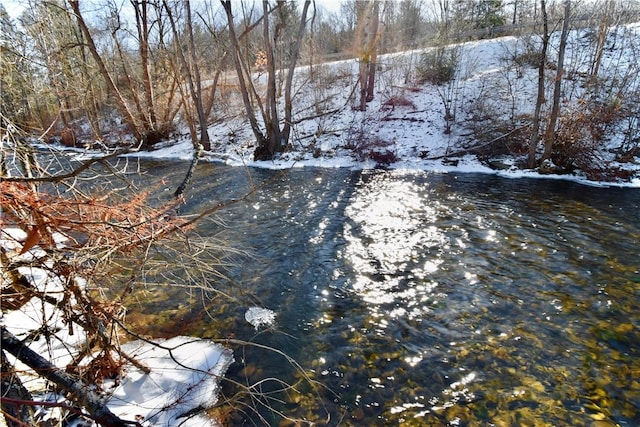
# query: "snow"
(185, 372)
(415, 133)
(185, 375)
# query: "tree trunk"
(197, 90)
(11, 387)
(121, 103)
(142, 26)
(194, 84)
(274, 138)
(235, 52)
(78, 390)
(550, 133)
(603, 29)
(368, 56)
(272, 121)
(373, 51)
(191, 73)
(130, 84)
(535, 137)
(91, 102)
(292, 66)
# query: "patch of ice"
(259, 316)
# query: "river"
(422, 298)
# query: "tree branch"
(60, 177)
(76, 388)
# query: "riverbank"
(171, 382)
(490, 99)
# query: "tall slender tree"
(550, 132)
(142, 27)
(274, 137)
(368, 39)
(540, 98)
(191, 72)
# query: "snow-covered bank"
(490, 100)
(405, 121)
(184, 378)
(466, 164)
(184, 372)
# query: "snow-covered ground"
(184, 372)
(487, 79)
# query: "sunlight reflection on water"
(432, 266)
(388, 230)
(432, 299)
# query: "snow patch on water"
(259, 316)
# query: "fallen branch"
(76, 388)
(471, 150)
(62, 176)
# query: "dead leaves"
(106, 223)
(33, 238)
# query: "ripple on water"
(434, 299)
(474, 292)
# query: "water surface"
(419, 298)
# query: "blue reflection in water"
(439, 298)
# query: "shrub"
(530, 57)
(367, 147)
(397, 101)
(437, 66)
(580, 135)
(385, 157)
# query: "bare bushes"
(441, 68)
(329, 75)
(370, 147)
(582, 132)
(437, 66)
(500, 138)
(398, 101)
(630, 145)
(373, 148)
(531, 57)
(579, 142)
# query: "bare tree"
(603, 30)
(142, 27)
(540, 98)
(288, 96)
(191, 72)
(550, 132)
(53, 53)
(243, 81)
(367, 55)
(410, 23)
(273, 138)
